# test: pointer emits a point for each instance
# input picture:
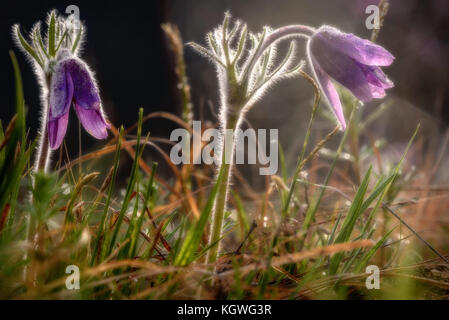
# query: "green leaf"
(241, 46)
(39, 43)
(377, 191)
(52, 35)
(77, 39)
(371, 252)
(28, 48)
(350, 220)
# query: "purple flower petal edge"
(361, 50)
(56, 130)
(93, 121)
(351, 61)
(72, 82)
(330, 93)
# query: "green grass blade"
(15, 155)
(241, 213)
(130, 187)
(311, 212)
(20, 101)
(193, 238)
(350, 220)
(148, 193)
(101, 226)
(362, 263)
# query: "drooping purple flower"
(72, 82)
(351, 61)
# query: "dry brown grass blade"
(156, 239)
(302, 255)
(104, 267)
(383, 9)
(183, 98)
(4, 216)
(127, 145)
(142, 163)
(105, 183)
(8, 132)
(154, 224)
(131, 151)
(395, 273)
(107, 150)
(178, 175)
(95, 154)
(116, 251)
(191, 202)
(430, 282)
(161, 114)
(138, 264)
(127, 221)
(164, 208)
(320, 145)
(160, 289)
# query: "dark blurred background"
(128, 51)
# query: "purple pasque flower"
(351, 61)
(73, 82)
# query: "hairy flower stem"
(44, 152)
(43, 156)
(220, 201)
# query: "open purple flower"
(351, 61)
(72, 82)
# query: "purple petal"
(376, 77)
(61, 91)
(342, 69)
(87, 99)
(377, 92)
(361, 50)
(57, 128)
(93, 121)
(85, 93)
(327, 87)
